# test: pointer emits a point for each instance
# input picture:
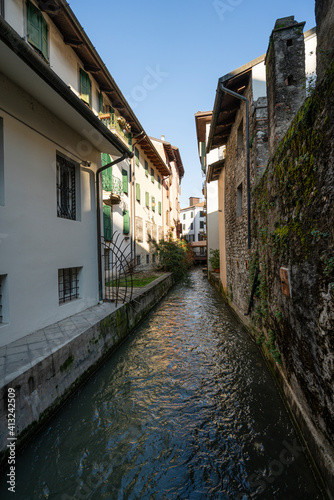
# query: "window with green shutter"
(147, 199)
(130, 141)
(85, 87)
(106, 174)
(125, 181)
(138, 192)
(37, 30)
(100, 102)
(159, 182)
(152, 175)
(137, 157)
(153, 203)
(126, 222)
(146, 168)
(107, 227)
(159, 207)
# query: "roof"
(48, 88)
(173, 154)
(201, 204)
(201, 120)
(226, 106)
(214, 170)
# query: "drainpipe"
(242, 98)
(98, 214)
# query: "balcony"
(118, 125)
(114, 192)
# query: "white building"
(193, 222)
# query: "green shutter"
(146, 168)
(153, 203)
(159, 182)
(125, 181)
(137, 157)
(159, 207)
(130, 141)
(101, 102)
(152, 175)
(106, 174)
(147, 199)
(37, 29)
(138, 192)
(85, 87)
(126, 222)
(107, 222)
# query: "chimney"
(162, 137)
(285, 64)
(193, 201)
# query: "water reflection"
(186, 409)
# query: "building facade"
(193, 224)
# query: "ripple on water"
(184, 409)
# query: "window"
(37, 30)
(201, 224)
(126, 221)
(183, 227)
(3, 299)
(201, 251)
(153, 258)
(68, 284)
(107, 173)
(153, 203)
(152, 175)
(191, 215)
(100, 102)
(107, 224)
(184, 216)
(147, 259)
(239, 200)
(2, 166)
(85, 87)
(201, 214)
(125, 181)
(66, 188)
(138, 192)
(159, 208)
(192, 225)
(137, 157)
(146, 168)
(139, 229)
(147, 199)
(159, 182)
(138, 260)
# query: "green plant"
(214, 259)
(175, 256)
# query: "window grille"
(66, 207)
(68, 284)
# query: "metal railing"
(110, 120)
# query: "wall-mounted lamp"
(85, 163)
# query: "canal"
(185, 409)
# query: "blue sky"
(166, 57)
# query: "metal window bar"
(68, 284)
(66, 203)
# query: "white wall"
(35, 242)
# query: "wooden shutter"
(147, 199)
(85, 87)
(159, 182)
(34, 25)
(126, 222)
(137, 157)
(106, 174)
(125, 181)
(138, 192)
(159, 207)
(153, 203)
(107, 222)
(152, 175)
(101, 102)
(146, 168)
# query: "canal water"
(185, 409)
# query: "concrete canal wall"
(72, 350)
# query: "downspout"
(98, 214)
(242, 98)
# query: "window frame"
(65, 296)
(82, 73)
(32, 10)
(70, 211)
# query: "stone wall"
(324, 13)
(293, 242)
